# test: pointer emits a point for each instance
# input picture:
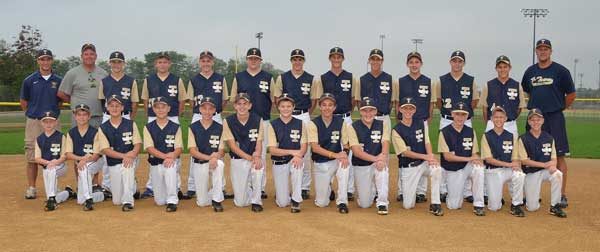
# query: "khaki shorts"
(33, 128)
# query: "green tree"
(17, 61)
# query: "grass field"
(584, 143)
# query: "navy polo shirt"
(547, 87)
(40, 94)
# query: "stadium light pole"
(534, 13)
(382, 37)
(259, 36)
(417, 41)
(575, 70)
(581, 81)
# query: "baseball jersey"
(300, 88)
(125, 88)
(500, 147)
(413, 138)
(547, 87)
(206, 140)
(259, 88)
(288, 136)
(120, 138)
(508, 95)
(245, 135)
(370, 139)
(40, 94)
(171, 88)
(421, 90)
(452, 91)
(462, 144)
(50, 147)
(214, 86)
(164, 138)
(79, 144)
(332, 136)
(379, 89)
(539, 149)
(343, 88)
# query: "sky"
(482, 29)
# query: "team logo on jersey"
(55, 149)
(170, 140)
(423, 90)
(384, 86)
(419, 135)
(172, 89)
(150, 102)
(376, 136)
(335, 136)
(198, 98)
(253, 135)
(88, 148)
(465, 92)
(467, 143)
(127, 137)
(541, 81)
(214, 141)
(54, 84)
(125, 93)
(217, 86)
(295, 135)
(264, 86)
(512, 93)
(305, 88)
(547, 149)
(346, 85)
(507, 146)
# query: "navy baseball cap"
(327, 96)
(244, 96)
(336, 50)
(297, 53)
(208, 100)
(407, 101)
(502, 59)
(543, 42)
(49, 115)
(160, 99)
(81, 107)
(458, 54)
(414, 55)
(206, 53)
(114, 98)
(460, 107)
(498, 108)
(254, 53)
(367, 102)
(376, 53)
(87, 46)
(285, 97)
(163, 55)
(116, 56)
(535, 111)
(44, 53)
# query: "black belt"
(413, 164)
(198, 161)
(382, 114)
(343, 114)
(299, 111)
(281, 162)
(447, 117)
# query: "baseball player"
(120, 84)
(415, 157)
(206, 83)
(458, 146)
(120, 141)
(551, 89)
(501, 164)
(343, 85)
(164, 144)
(243, 132)
(505, 92)
(328, 137)
(287, 145)
(299, 84)
(257, 84)
(80, 147)
(38, 95)
(378, 85)
(369, 139)
(171, 87)
(50, 154)
(418, 87)
(537, 152)
(207, 149)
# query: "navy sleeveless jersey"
(50, 146)
(453, 91)
(504, 95)
(414, 138)
(298, 88)
(288, 136)
(538, 149)
(370, 138)
(501, 146)
(461, 143)
(207, 140)
(169, 88)
(121, 88)
(245, 135)
(341, 87)
(120, 139)
(83, 145)
(329, 137)
(213, 87)
(379, 89)
(420, 90)
(163, 139)
(258, 87)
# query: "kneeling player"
(369, 139)
(502, 165)
(415, 157)
(458, 147)
(538, 156)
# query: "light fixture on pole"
(534, 13)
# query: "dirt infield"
(26, 227)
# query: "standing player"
(287, 145)
(457, 144)
(537, 153)
(38, 95)
(258, 84)
(80, 147)
(505, 92)
(328, 137)
(418, 87)
(207, 149)
(369, 139)
(50, 154)
(502, 165)
(344, 87)
(164, 144)
(551, 89)
(244, 134)
(300, 87)
(415, 157)
(171, 88)
(378, 85)
(120, 141)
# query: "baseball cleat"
(517, 211)
(382, 210)
(263, 195)
(217, 206)
(295, 207)
(478, 211)
(332, 195)
(72, 194)
(257, 208)
(97, 188)
(127, 207)
(564, 202)
(51, 204)
(485, 200)
(343, 208)
(147, 194)
(180, 195)
(30, 193)
(436, 209)
(557, 211)
(305, 194)
(227, 195)
(469, 199)
(190, 194)
(350, 196)
(421, 198)
(400, 198)
(171, 207)
(136, 195)
(88, 205)
(443, 197)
